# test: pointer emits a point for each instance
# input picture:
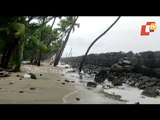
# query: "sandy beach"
(48, 88)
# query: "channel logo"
(149, 27)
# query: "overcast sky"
(123, 36)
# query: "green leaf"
(19, 29)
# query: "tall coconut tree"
(13, 28)
(66, 26)
(84, 58)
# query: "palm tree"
(83, 59)
(44, 21)
(60, 52)
(13, 30)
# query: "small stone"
(66, 80)
(33, 76)
(21, 91)
(20, 79)
(17, 75)
(10, 83)
(40, 74)
(77, 99)
(137, 103)
(63, 83)
(32, 88)
(73, 81)
(58, 80)
(91, 84)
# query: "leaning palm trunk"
(59, 54)
(18, 56)
(39, 53)
(83, 59)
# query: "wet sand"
(50, 88)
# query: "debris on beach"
(26, 76)
(30, 75)
(77, 99)
(21, 76)
(10, 83)
(4, 74)
(66, 80)
(21, 91)
(32, 88)
(18, 75)
(33, 76)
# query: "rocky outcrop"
(100, 60)
(141, 70)
(123, 65)
(146, 63)
(101, 76)
(151, 91)
(91, 84)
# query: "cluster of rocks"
(123, 72)
(30, 75)
(149, 85)
(141, 70)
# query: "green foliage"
(65, 25)
(12, 32)
(20, 30)
(31, 36)
(40, 37)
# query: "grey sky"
(124, 36)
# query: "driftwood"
(4, 74)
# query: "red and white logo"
(149, 27)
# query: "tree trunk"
(32, 55)
(61, 50)
(64, 44)
(53, 22)
(13, 44)
(39, 54)
(39, 58)
(18, 56)
(9, 48)
(83, 59)
(4, 54)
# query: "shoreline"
(50, 88)
(124, 93)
